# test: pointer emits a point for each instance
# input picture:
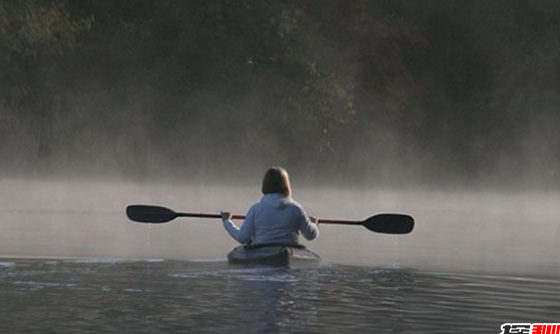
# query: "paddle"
(391, 223)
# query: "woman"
(276, 218)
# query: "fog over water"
(466, 231)
(446, 112)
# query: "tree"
(34, 34)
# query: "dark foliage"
(358, 90)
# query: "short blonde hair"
(276, 180)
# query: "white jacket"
(274, 219)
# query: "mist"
(428, 93)
(486, 232)
(447, 112)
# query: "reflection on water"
(178, 296)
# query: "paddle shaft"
(340, 222)
(207, 215)
(241, 217)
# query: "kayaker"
(276, 218)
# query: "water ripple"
(209, 297)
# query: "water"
(157, 296)
(70, 262)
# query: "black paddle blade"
(391, 223)
(150, 214)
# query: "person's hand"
(225, 215)
(314, 220)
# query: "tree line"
(427, 90)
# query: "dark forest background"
(386, 91)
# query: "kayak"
(274, 255)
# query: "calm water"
(476, 260)
(157, 296)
